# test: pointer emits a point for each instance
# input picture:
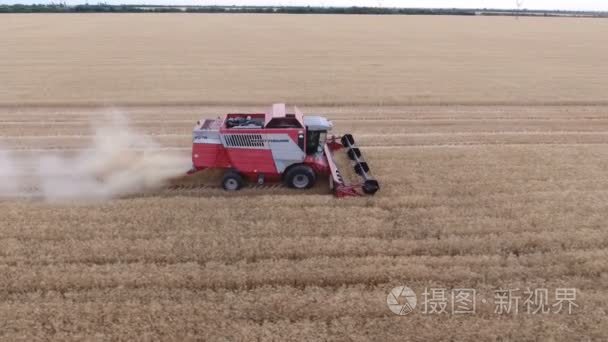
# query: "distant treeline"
(106, 8)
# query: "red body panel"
(252, 160)
(209, 155)
(246, 160)
(318, 163)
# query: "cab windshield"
(315, 141)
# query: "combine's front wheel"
(300, 177)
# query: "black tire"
(300, 177)
(371, 186)
(232, 181)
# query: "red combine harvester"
(277, 146)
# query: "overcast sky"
(598, 5)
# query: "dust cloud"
(9, 175)
(118, 162)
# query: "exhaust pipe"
(370, 185)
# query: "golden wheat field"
(489, 137)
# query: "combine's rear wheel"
(300, 177)
(232, 181)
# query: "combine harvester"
(277, 146)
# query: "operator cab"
(316, 133)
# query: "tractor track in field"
(196, 190)
(251, 189)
